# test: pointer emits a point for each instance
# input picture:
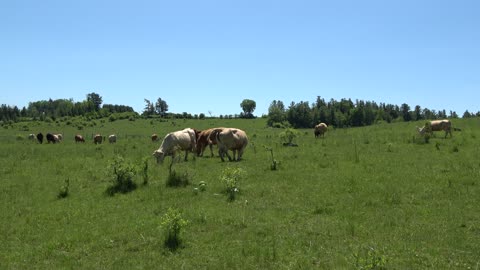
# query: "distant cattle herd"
(227, 139)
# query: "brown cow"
(229, 139)
(97, 139)
(436, 125)
(320, 130)
(79, 138)
(202, 141)
(154, 137)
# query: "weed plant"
(172, 224)
(121, 173)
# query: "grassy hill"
(360, 198)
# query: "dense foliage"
(345, 113)
(53, 109)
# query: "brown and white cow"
(436, 125)
(154, 137)
(202, 141)
(97, 139)
(79, 138)
(112, 138)
(52, 138)
(320, 130)
(230, 139)
(182, 140)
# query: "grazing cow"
(202, 141)
(52, 138)
(31, 137)
(174, 141)
(79, 138)
(154, 137)
(112, 138)
(230, 139)
(436, 125)
(40, 138)
(320, 130)
(97, 139)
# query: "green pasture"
(375, 197)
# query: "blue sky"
(203, 56)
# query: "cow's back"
(177, 140)
(232, 138)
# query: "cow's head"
(159, 155)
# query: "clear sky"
(202, 56)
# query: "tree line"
(342, 113)
(53, 109)
(346, 113)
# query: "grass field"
(361, 198)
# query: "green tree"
(300, 115)
(248, 106)
(149, 108)
(406, 112)
(276, 113)
(161, 107)
(95, 99)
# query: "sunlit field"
(375, 197)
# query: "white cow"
(112, 138)
(320, 130)
(175, 141)
(230, 139)
(31, 137)
(437, 125)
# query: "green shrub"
(230, 178)
(172, 225)
(63, 192)
(288, 135)
(177, 180)
(121, 173)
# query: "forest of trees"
(53, 109)
(346, 113)
(343, 113)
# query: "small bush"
(288, 135)
(121, 173)
(63, 192)
(172, 225)
(177, 180)
(230, 177)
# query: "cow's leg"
(229, 157)
(220, 153)
(211, 149)
(240, 154)
(186, 155)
